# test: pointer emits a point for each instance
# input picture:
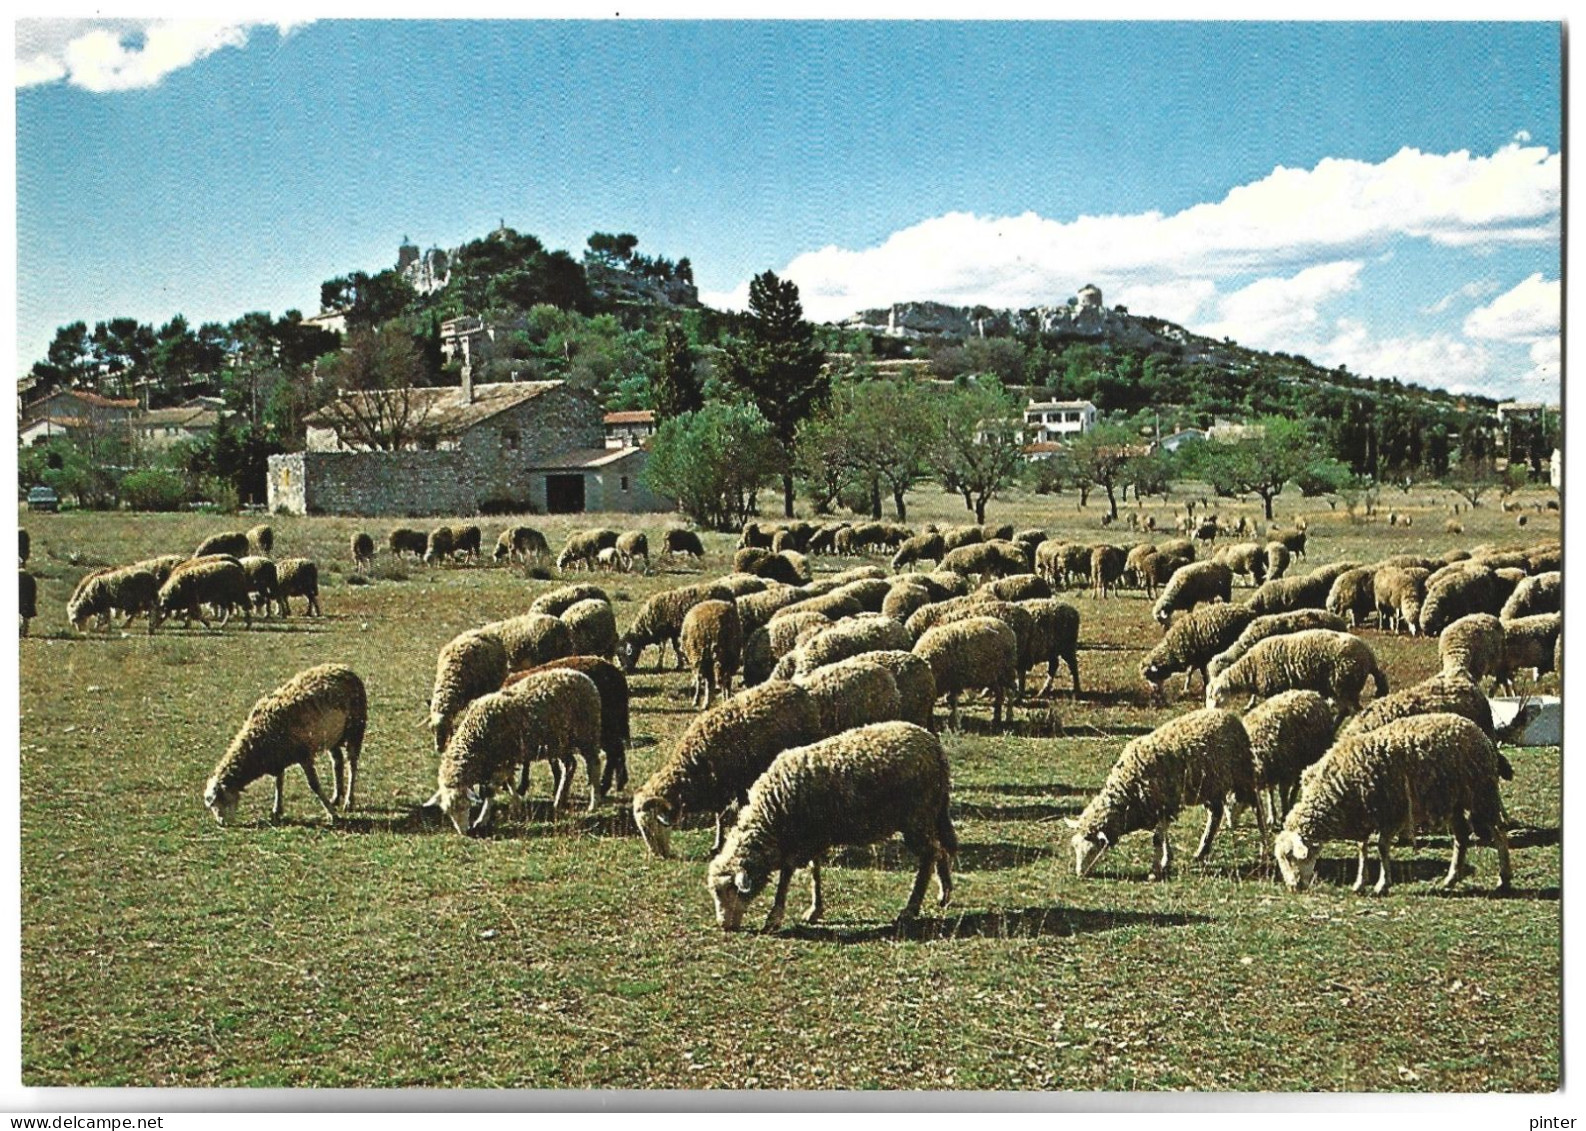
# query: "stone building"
(507, 447)
(629, 429)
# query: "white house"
(1049, 422)
(629, 429)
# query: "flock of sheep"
(832, 738)
(229, 573)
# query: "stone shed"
(505, 447)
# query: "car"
(43, 498)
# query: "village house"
(164, 427)
(1049, 422)
(629, 429)
(505, 447)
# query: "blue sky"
(1385, 196)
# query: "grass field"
(160, 949)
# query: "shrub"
(154, 489)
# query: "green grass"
(160, 949)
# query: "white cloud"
(115, 55)
(1442, 360)
(1480, 288)
(1180, 302)
(1546, 358)
(1528, 311)
(1522, 136)
(1277, 312)
(1288, 220)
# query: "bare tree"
(382, 405)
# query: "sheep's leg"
(952, 711)
(1073, 670)
(1214, 819)
(1162, 854)
(313, 783)
(817, 906)
(1360, 872)
(338, 770)
(1384, 846)
(1501, 842)
(773, 921)
(597, 793)
(944, 877)
(351, 756)
(1457, 868)
(564, 782)
(280, 785)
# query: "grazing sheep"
(1450, 692)
(592, 627)
(467, 540)
(555, 602)
(1353, 595)
(129, 591)
(615, 729)
(264, 582)
(852, 693)
(1278, 559)
(1049, 561)
(1398, 592)
(922, 547)
(1191, 642)
(1530, 642)
(986, 560)
(1473, 589)
(297, 577)
(967, 655)
(858, 573)
(766, 645)
(1275, 624)
(743, 584)
(233, 543)
(870, 592)
(1192, 585)
(943, 583)
(27, 598)
(161, 566)
(748, 559)
(1137, 567)
(872, 632)
(833, 605)
(1426, 769)
(470, 665)
(1106, 568)
(1293, 539)
(789, 567)
(916, 685)
(1334, 664)
(852, 789)
(903, 600)
(1474, 647)
(1288, 732)
(635, 544)
(957, 536)
(362, 550)
(1196, 759)
(217, 582)
(1289, 594)
(720, 755)
(24, 546)
(520, 543)
(1248, 559)
(612, 560)
(551, 716)
(712, 644)
(1539, 593)
(660, 622)
(531, 639)
(322, 708)
(1054, 636)
(755, 610)
(1330, 572)
(438, 547)
(754, 536)
(1546, 558)
(262, 539)
(582, 547)
(1453, 526)
(406, 540)
(824, 540)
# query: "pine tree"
(677, 388)
(780, 365)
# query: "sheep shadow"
(894, 856)
(1027, 789)
(1013, 923)
(1532, 836)
(974, 810)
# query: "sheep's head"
(1296, 859)
(457, 804)
(629, 649)
(1218, 692)
(1088, 848)
(1161, 614)
(1153, 674)
(733, 886)
(222, 803)
(654, 816)
(501, 551)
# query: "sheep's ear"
(1071, 822)
(1102, 839)
(741, 881)
(1299, 850)
(434, 800)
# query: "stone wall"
(384, 484)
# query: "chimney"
(468, 372)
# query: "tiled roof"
(444, 411)
(635, 416)
(587, 457)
